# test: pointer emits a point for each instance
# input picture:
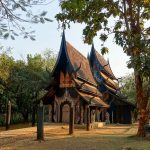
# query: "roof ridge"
(76, 50)
(110, 72)
(76, 57)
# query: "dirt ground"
(110, 137)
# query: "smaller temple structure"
(120, 110)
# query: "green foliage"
(6, 63)
(128, 88)
(104, 50)
(13, 12)
(121, 18)
(23, 82)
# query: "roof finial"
(88, 56)
(63, 41)
(63, 33)
(108, 60)
(92, 49)
(63, 36)
(92, 45)
(63, 28)
(63, 25)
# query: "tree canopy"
(13, 13)
(22, 82)
(128, 88)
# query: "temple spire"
(62, 50)
(63, 36)
(92, 46)
(63, 41)
(108, 60)
(92, 49)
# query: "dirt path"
(57, 138)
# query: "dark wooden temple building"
(119, 108)
(73, 86)
(83, 90)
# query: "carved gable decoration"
(65, 80)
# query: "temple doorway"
(65, 113)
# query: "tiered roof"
(110, 82)
(105, 72)
(77, 59)
(80, 73)
(105, 64)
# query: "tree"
(6, 64)
(128, 87)
(23, 82)
(27, 81)
(15, 12)
(127, 84)
(129, 30)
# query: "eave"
(103, 63)
(93, 100)
(109, 81)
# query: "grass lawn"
(110, 137)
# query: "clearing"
(110, 137)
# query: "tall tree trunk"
(141, 105)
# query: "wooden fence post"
(88, 118)
(40, 122)
(8, 115)
(33, 115)
(71, 122)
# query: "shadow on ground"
(112, 137)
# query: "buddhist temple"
(84, 89)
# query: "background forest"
(23, 82)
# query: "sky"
(48, 35)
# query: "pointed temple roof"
(80, 72)
(105, 64)
(105, 72)
(77, 59)
(108, 78)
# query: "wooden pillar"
(103, 115)
(81, 114)
(50, 113)
(88, 118)
(40, 120)
(96, 114)
(8, 115)
(85, 114)
(58, 113)
(71, 121)
(53, 113)
(112, 117)
(91, 115)
(33, 114)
